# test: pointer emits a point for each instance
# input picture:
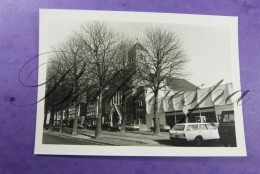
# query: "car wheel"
(198, 141)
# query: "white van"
(196, 132)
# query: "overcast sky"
(207, 47)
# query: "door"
(204, 131)
(191, 132)
(213, 132)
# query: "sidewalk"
(77, 137)
(137, 136)
(130, 138)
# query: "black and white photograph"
(138, 84)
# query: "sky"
(207, 47)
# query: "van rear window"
(179, 127)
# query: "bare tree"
(69, 65)
(56, 90)
(163, 58)
(123, 78)
(99, 44)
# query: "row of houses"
(170, 105)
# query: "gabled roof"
(177, 84)
(137, 46)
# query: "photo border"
(209, 20)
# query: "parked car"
(80, 126)
(194, 132)
(163, 128)
(115, 127)
(132, 127)
(71, 123)
(226, 129)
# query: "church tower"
(136, 51)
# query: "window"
(91, 113)
(179, 127)
(203, 127)
(91, 106)
(211, 127)
(192, 127)
(140, 103)
(228, 118)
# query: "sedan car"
(80, 126)
(132, 127)
(163, 128)
(115, 127)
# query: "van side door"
(213, 131)
(203, 130)
(191, 132)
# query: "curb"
(108, 136)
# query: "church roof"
(137, 46)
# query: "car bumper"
(181, 140)
(132, 128)
(165, 130)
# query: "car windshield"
(179, 127)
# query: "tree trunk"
(75, 124)
(98, 121)
(156, 118)
(75, 85)
(103, 114)
(51, 119)
(85, 124)
(61, 121)
(56, 119)
(45, 115)
(124, 113)
(67, 117)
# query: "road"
(54, 139)
(58, 139)
(168, 142)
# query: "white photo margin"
(51, 149)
